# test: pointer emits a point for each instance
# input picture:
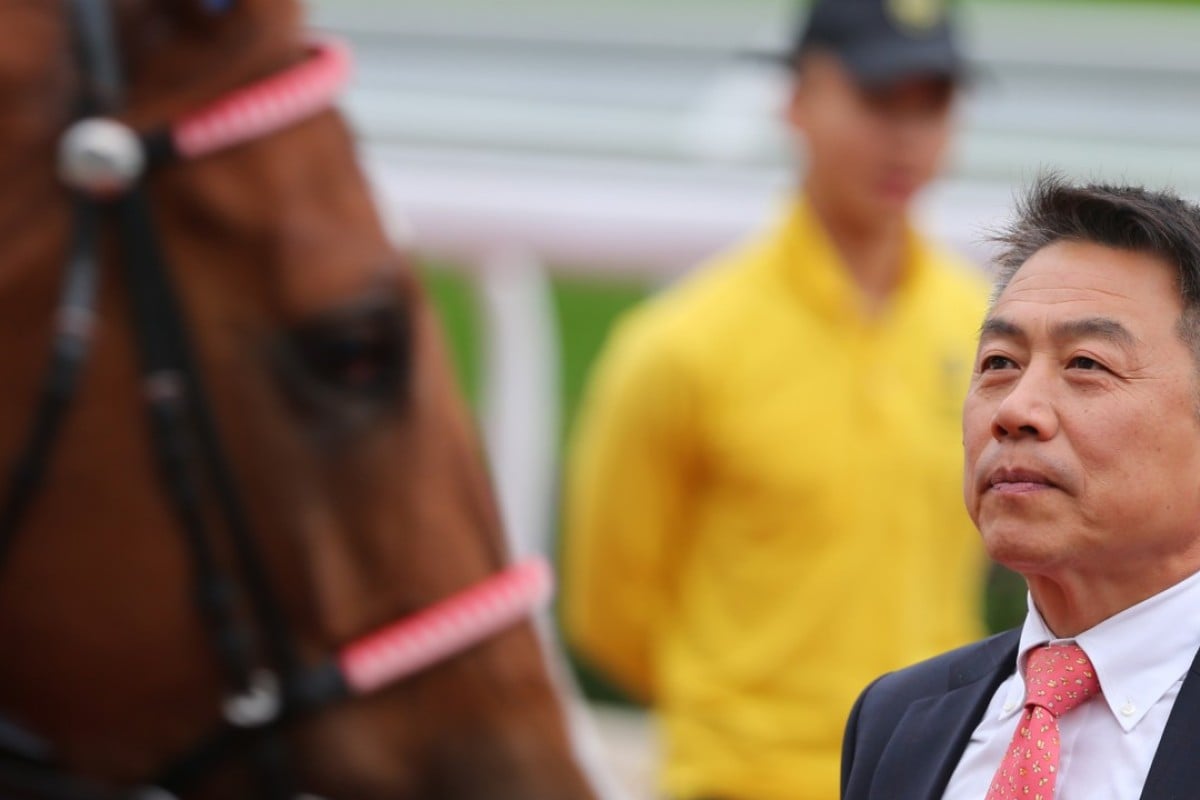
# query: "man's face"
(869, 150)
(1080, 427)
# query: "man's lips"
(1018, 480)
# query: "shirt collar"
(1138, 654)
(803, 254)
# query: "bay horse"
(247, 452)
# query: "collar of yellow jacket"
(803, 256)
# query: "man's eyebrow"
(1000, 328)
(1105, 328)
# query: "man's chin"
(1024, 549)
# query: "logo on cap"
(917, 16)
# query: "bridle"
(267, 684)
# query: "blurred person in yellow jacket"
(764, 508)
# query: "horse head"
(356, 467)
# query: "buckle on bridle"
(100, 157)
(258, 705)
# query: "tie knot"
(1059, 677)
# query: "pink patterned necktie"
(1058, 678)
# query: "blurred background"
(550, 162)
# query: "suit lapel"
(1175, 771)
(931, 736)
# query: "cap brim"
(885, 64)
(876, 67)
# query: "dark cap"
(883, 41)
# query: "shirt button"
(1009, 706)
(1128, 709)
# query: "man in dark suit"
(1081, 431)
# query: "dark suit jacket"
(909, 729)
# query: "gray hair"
(1130, 218)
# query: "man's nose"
(1026, 411)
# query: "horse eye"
(347, 363)
(362, 357)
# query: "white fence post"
(520, 394)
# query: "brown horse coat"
(366, 510)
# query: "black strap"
(99, 94)
(69, 353)
(185, 440)
(97, 53)
(167, 356)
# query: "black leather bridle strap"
(100, 94)
(97, 52)
(171, 404)
(193, 466)
(72, 340)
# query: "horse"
(247, 453)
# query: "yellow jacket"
(764, 506)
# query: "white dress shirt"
(1141, 656)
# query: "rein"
(106, 164)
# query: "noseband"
(267, 683)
